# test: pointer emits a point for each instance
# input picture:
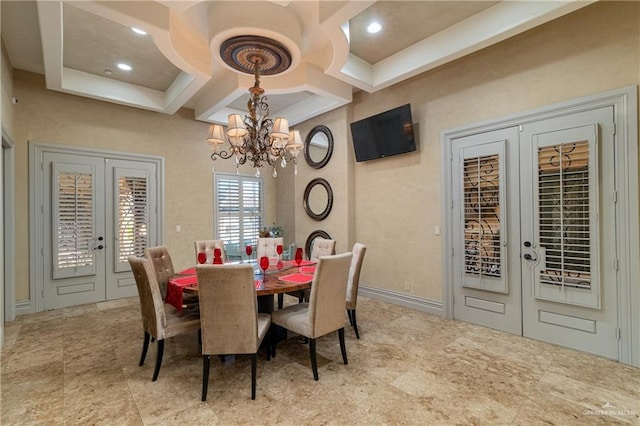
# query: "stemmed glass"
(202, 258)
(264, 265)
(279, 251)
(248, 249)
(298, 257)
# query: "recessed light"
(374, 27)
(124, 67)
(138, 31)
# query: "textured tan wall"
(397, 200)
(52, 117)
(7, 94)
(336, 173)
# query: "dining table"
(280, 277)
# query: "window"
(238, 206)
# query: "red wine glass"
(279, 249)
(248, 250)
(202, 258)
(298, 256)
(264, 264)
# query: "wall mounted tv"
(385, 134)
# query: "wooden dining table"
(289, 277)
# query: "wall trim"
(403, 299)
(9, 228)
(24, 307)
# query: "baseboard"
(407, 300)
(24, 307)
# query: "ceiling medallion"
(256, 138)
(243, 52)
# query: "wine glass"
(279, 249)
(264, 264)
(248, 249)
(298, 257)
(217, 256)
(202, 258)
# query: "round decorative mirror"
(318, 147)
(312, 236)
(318, 199)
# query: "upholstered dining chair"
(322, 247)
(231, 324)
(207, 247)
(162, 266)
(267, 247)
(358, 251)
(324, 313)
(159, 320)
(163, 269)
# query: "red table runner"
(175, 288)
(297, 278)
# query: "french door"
(96, 211)
(534, 230)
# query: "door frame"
(36, 228)
(625, 104)
(9, 228)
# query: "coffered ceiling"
(78, 44)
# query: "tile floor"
(80, 366)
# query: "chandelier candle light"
(256, 138)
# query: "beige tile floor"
(80, 366)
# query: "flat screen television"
(385, 134)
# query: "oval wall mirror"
(312, 236)
(318, 199)
(318, 147)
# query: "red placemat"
(297, 278)
(308, 270)
(188, 271)
(185, 281)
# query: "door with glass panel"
(534, 235)
(568, 232)
(97, 211)
(486, 231)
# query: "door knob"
(100, 247)
(528, 256)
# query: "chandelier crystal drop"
(257, 139)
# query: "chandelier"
(256, 138)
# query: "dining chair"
(321, 247)
(208, 247)
(159, 320)
(268, 246)
(231, 324)
(162, 265)
(358, 251)
(324, 313)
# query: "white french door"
(96, 211)
(534, 230)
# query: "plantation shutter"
(131, 215)
(74, 220)
(239, 211)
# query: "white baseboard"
(407, 300)
(24, 307)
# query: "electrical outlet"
(407, 286)
(178, 228)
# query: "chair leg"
(254, 365)
(314, 362)
(343, 348)
(273, 332)
(269, 342)
(200, 337)
(159, 353)
(350, 317)
(206, 361)
(280, 300)
(355, 323)
(145, 347)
